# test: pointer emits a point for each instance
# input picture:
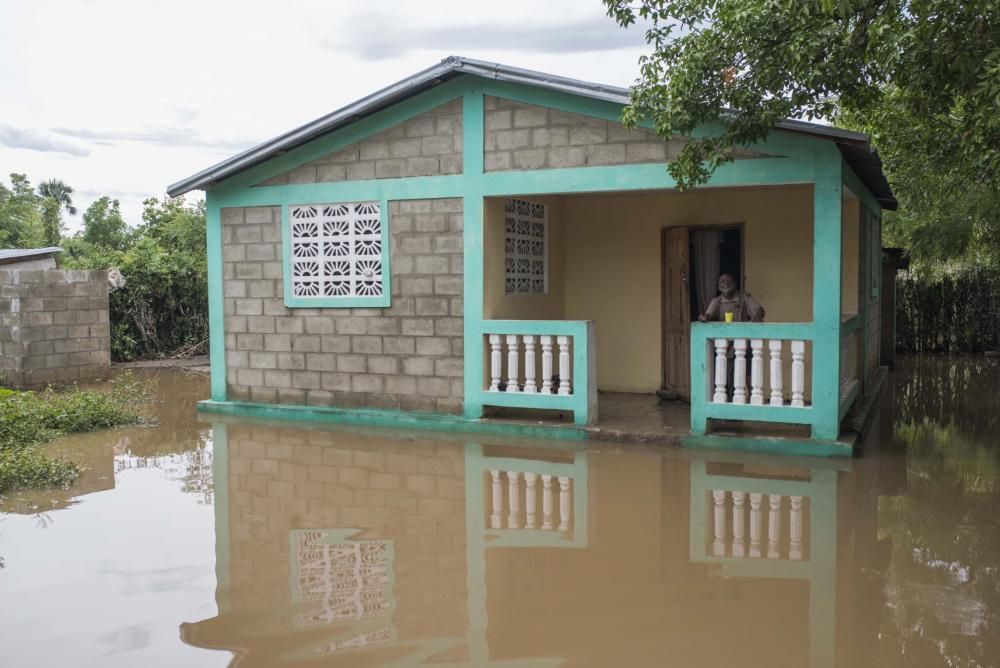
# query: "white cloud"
(120, 96)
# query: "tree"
(55, 196)
(743, 65)
(20, 217)
(103, 225)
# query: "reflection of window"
(336, 254)
(342, 580)
(525, 233)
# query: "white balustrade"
(507, 508)
(525, 366)
(729, 375)
(734, 544)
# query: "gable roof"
(10, 255)
(855, 146)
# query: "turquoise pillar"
(472, 210)
(827, 204)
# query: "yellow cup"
(729, 317)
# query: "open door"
(676, 312)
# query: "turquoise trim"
(752, 330)
(472, 207)
(771, 445)
(827, 224)
(220, 504)
(415, 187)
(371, 417)
(382, 301)
(216, 299)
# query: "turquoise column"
(827, 205)
(220, 500)
(216, 305)
(472, 210)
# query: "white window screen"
(336, 250)
(525, 235)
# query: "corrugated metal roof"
(12, 254)
(456, 65)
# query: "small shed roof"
(11, 255)
(854, 146)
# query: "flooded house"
(485, 248)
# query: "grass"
(29, 419)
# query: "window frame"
(379, 301)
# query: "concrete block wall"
(429, 144)
(408, 356)
(523, 136)
(408, 491)
(54, 326)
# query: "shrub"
(28, 419)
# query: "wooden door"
(676, 312)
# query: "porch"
(588, 315)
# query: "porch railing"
(545, 364)
(742, 371)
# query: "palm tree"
(60, 192)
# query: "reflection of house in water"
(451, 553)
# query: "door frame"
(741, 226)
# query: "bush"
(28, 419)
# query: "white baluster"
(546, 364)
(529, 499)
(719, 523)
(529, 365)
(756, 525)
(740, 372)
(757, 372)
(546, 501)
(798, 373)
(563, 503)
(721, 346)
(564, 372)
(513, 499)
(497, 500)
(496, 362)
(795, 529)
(739, 524)
(774, 526)
(777, 399)
(513, 362)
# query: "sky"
(124, 97)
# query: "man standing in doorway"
(741, 304)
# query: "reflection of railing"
(539, 501)
(508, 508)
(730, 377)
(547, 364)
(764, 518)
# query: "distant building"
(28, 258)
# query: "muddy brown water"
(253, 544)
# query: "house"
(29, 258)
(481, 247)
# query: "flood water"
(242, 543)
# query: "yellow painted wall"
(613, 266)
(496, 304)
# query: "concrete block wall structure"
(407, 356)
(429, 144)
(54, 327)
(409, 492)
